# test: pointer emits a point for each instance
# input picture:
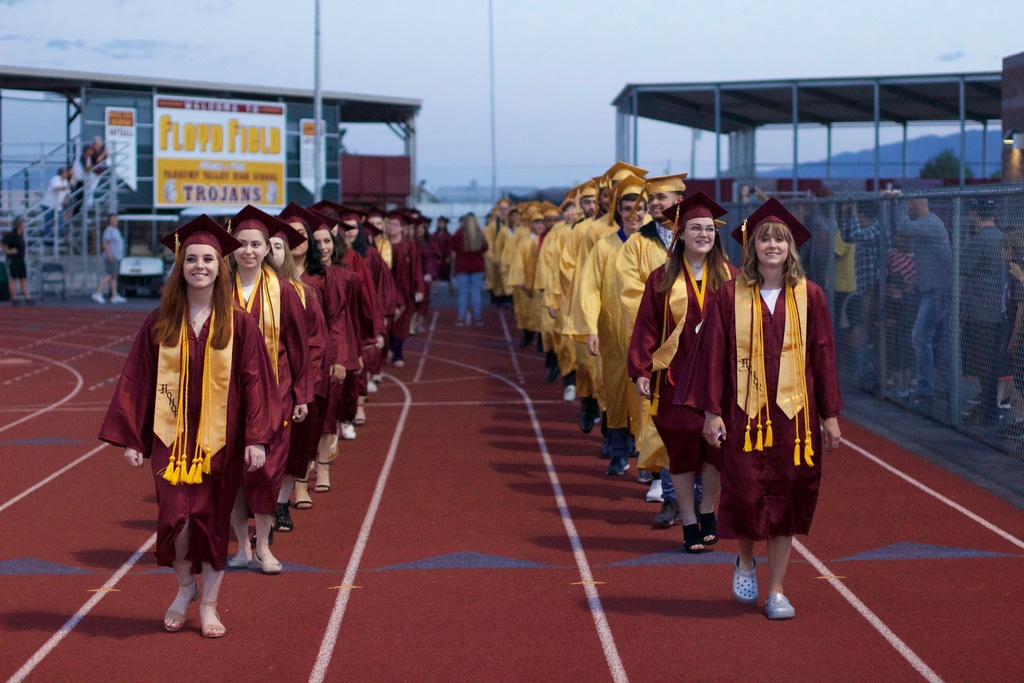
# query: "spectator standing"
(113, 252)
(468, 246)
(984, 276)
(17, 273)
(1013, 305)
(860, 228)
(930, 337)
(95, 165)
(54, 198)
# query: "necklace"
(199, 315)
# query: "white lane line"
(79, 382)
(604, 631)
(426, 349)
(902, 648)
(935, 494)
(53, 476)
(71, 623)
(430, 404)
(511, 349)
(323, 658)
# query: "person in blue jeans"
(468, 246)
(931, 336)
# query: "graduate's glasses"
(698, 230)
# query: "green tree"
(945, 164)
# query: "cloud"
(133, 49)
(951, 56)
(65, 45)
(15, 37)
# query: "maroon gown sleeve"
(417, 270)
(646, 328)
(262, 401)
(129, 419)
(336, 314)
(296, 341)
(316, 333)
(821, 353)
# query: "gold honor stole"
(268, 288)
(677, 301)
(751, 390)
(170, 417)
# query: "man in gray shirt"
(113, 252)
(932, 332)
(984, 275)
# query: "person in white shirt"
(53, 199)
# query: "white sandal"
(777, 607)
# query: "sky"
(558, 64)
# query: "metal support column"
(877, 114)
(634, 138)
(796, 138)
(718, 143)
(828, 150)
(963, 134)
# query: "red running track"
(472, 535)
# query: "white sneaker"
(118, 299)
(570, 393)
(371, 387)
(654, 493)
(348, 431)
(98, 298)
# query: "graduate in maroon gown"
(342, 307)
(407, 269)
(200, 351)
(664, 334)
(276, 306)
(306, 434)
(766, 380)
(431, 258)
(357, 257)
(282, 245)
(384, 282)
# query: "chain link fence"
(927, 297)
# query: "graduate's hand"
(379, 343)
(830, 432)
(417, 297)
(553, 312)
(714, 430)
(133, 457)
(338, 373)
(255, 457)
(428, 278)
(300, 413)
(593, 344)
(643, 386)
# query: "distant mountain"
(919, 151)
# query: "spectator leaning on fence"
(17, 274)
(860, 228)
(983, 274)
(930, 337)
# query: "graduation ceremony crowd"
(718, 377)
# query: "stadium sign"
(211, 152)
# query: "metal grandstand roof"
(354, 108)
(749, 104)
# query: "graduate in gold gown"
(640, 256)
(596, 319)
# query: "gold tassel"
(654, 406)
(808, 452)
(796, 453)
(206, 462)
(768, 440)
(759, 446)
(746, 441)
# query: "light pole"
(494, 154)
(318, 110)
